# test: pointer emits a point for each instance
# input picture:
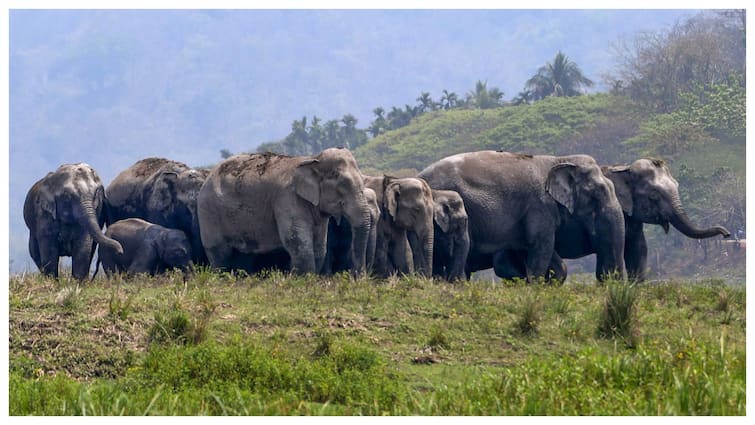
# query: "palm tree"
(562, 77)
(482, 98)
(425, 102)
(449, 100)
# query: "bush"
(617, 319)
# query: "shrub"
(617, 318)
(529, 316)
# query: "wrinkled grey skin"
(64, 212)
(262, 203)
(162, 192)
(451, 236)
(516, 204)
(649, 194)
(405, 229)
(147, 248)
(339, 255)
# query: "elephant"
(64, 212)
(451, 236)
(147, 248)
(517, 202)
(338, 257)
(405, 229)
(160, 191)
(253, 204)
(648, 193)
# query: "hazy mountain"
(111, 87)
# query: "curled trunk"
(681, 222)
(89, 221)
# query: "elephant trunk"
(681, 222)
(89, 221)
(459, 253)
(197, 249)
(359, 218)
(610, 232)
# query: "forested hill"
(596, 125)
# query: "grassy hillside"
(553, 126)
(279, 345)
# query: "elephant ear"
(441, 216)
(620, 176)
(390, 199)
(560, 184)
(163, 192)
(306, 181)
(45, 201)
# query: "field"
(222, 344)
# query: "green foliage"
(549, 126)
(529, 316)
(308, 345)
(618, 316)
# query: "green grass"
(221, 344)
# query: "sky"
(110, 87)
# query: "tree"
(484, 98)
(705, 49)
(380, 125)
(426, 103)
(562, 77)
(449, 100)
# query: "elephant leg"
(635, 252)
(400, 256)
(34, 251)
(557, 270)
(81, 258)
(145, 261)
(320, 243)
(220, 257)
(541, 243)
(49, 258)
(299, 245)
(380, 263)
(510, 264)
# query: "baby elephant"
(147, 248)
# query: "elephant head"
(451, 238)
(332, 182)
(63, 211)
(589, 198)
(409, 204)
(649, 194)
(174, 248)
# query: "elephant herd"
(518, 214)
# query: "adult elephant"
(262, 203)
(147, 248)
(64, 212)
(405, 229)
(516, 203)
(451, 236)
(338, 257)
(648, 193)
(160, 191)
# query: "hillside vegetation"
(223, 344)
